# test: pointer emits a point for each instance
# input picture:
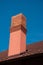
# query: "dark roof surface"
(32, 49)
(35, 48)
(3, 54)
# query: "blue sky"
(32, 9)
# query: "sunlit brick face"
(17, 41)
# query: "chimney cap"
(20, 14)
(19, 19)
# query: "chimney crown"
(18, 20)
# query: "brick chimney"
(17, 42)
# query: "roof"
(32, 49)
(35, 48)
(3, 54)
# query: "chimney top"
(18, 20)
(19, 15)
